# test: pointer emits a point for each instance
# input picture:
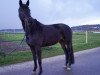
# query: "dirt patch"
(9, 46)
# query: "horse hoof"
(34, 73)
(68, 68)
(65, 67)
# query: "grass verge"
(23, 56)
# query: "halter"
(27, 25)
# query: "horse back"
(54, 33)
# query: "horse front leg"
(38, 50)
(34, 58)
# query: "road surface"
(87, 62)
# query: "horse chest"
(33, 40)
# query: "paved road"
(87, 63)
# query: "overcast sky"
(71, 12)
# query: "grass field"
(21, 56)
(11, 36)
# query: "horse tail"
(72, 60)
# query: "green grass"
(15, 58)
(78, 45)
(11, 36)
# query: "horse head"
(24, 15)
(24, 11)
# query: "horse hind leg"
(70, 55)
(62, 43)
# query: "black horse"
(39, 35)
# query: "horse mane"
(35, 26)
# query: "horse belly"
(51, 38)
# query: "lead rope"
(26, 22)
(17, 45)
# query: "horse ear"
(27, 3)
(20, 2)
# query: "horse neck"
(34, 27)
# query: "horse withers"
(39, 35)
